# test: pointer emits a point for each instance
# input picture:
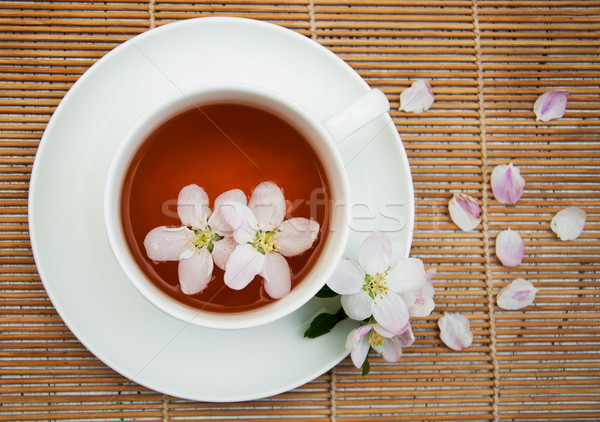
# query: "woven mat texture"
(487, 62)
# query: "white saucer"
(71, 250)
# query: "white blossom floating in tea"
(265, 240)
(198, 242)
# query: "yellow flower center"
(205, 238)
(376, 285)
(265, 241)
(376, 339)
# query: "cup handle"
(365, 109)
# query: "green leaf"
(323, 323)
(326, 292)
(366, 366)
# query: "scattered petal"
(507, 183)
(391, 312)
(296, 235)
(192, 206)
(510, 248)
(167, 244)
(568, 223)
(243, 265)
(551, 105)
(195, 272)
(407, 275)
(277, 275)
(358, 306)
(241, 220)
(417, 98)
(464, 211)
(358, 344)
(519, 294)
(375, 253)
(268, 205)
(347, 278)
(455, 331)
(222, 250)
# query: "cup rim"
(329, 256)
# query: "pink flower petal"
(568, 223)
(358, 344)
(507, 183)
(551, 105)
(407, 338)
(375, 253)
(519, 294)
(358, 306)
(216, 220)
(233, 195)
(195, 272)
(430, 273)
(407, 275)
(464, 211)
(268, 205)
(347, 278)
(391, 350)
(277, 275)
(296, 235)
(455, 331)
(192, 206)
(222, 250)
(167, 244)
(417, 98)
(510, 248)
(391, 312)
(243, 265)
(423, 304)
(240, 219)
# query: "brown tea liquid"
(220, 147)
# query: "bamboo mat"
(487, 62)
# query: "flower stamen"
(376, 285)
(265, 241)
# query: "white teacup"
(321, 135)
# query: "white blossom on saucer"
(363, 338)
(376, 285)
(202, 239)
(265, 240)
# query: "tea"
(220, 147)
